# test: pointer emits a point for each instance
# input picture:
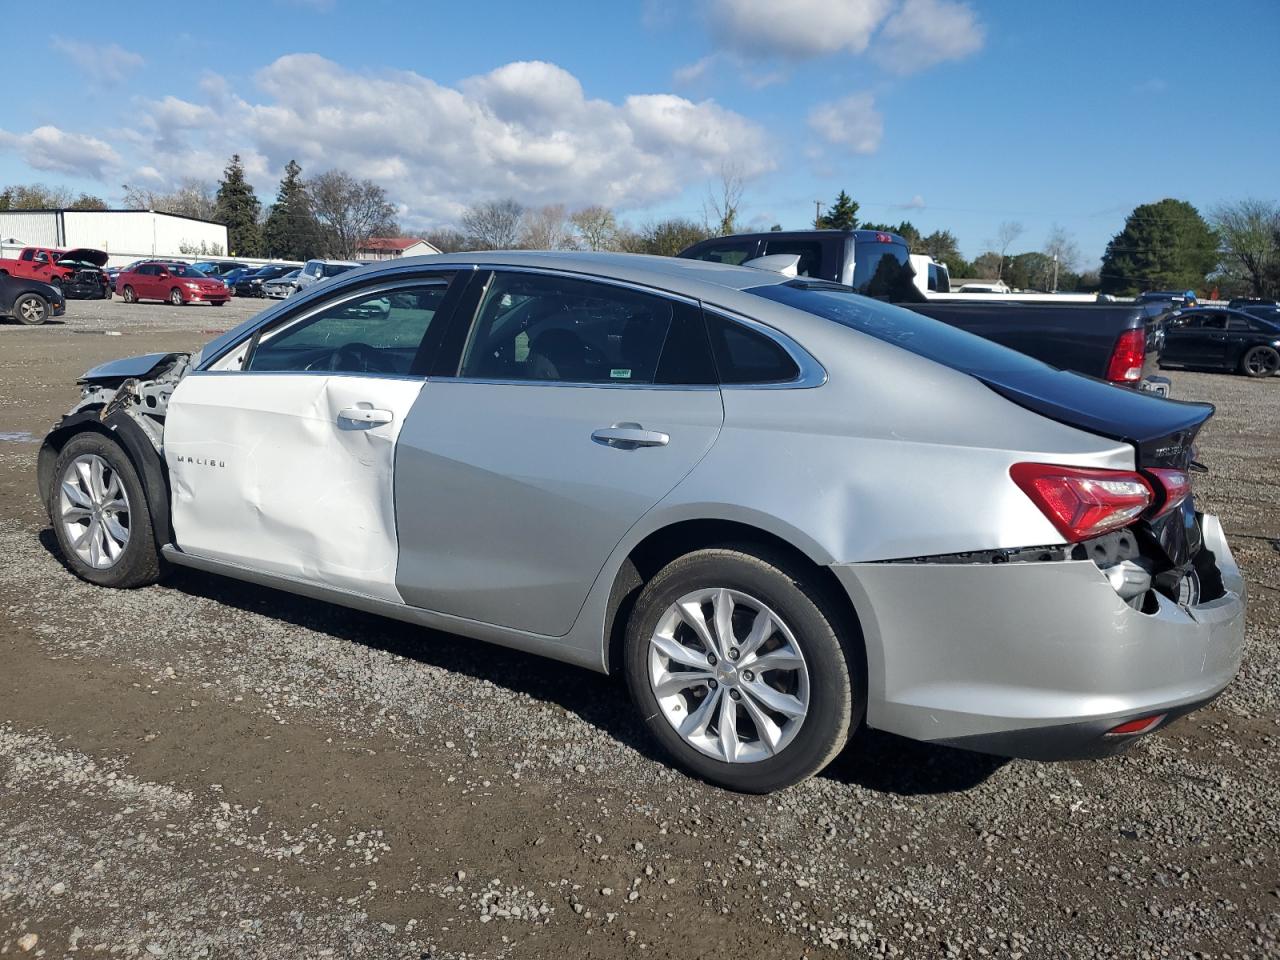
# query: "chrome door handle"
(366, 415)
(629, 436)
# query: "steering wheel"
(352, 358)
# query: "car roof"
(674, 274)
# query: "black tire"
(836, 698)
(139, 564)
(130, 295)
(31, 309)
(1260, 361)
(175, 298)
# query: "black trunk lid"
(1162, 432)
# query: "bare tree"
(597, 228)
(547, 228)
(1250, 234)
(447, 240)
(1062, 250)
(723, 200)
(35, 196)
(493, 225)
(1006, 234)
(192, 198)
(350, 211)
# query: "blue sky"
(952, 114)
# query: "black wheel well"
(662, 546)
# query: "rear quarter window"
(745, 356)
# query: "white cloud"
(903, 35)
(915, 203)
(852, 122)
(922, 33)
(526, 130)
(107, 64)
(692, 72)
(53, 149)
(795, 29)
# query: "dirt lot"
(207, 768)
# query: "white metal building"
(126, 235)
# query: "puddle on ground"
(20, 437)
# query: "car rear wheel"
(1260, 362)
(735, 662)
(129, 295)
(99, 514)
(31, 309)
(175, 297)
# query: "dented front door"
(289, 473)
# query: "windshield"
(903, 328)
(333, 269)
(182, 270)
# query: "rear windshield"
(903, 328)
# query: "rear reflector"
(1127, 357)
(1175, 485)
(1135, 728)
(1083, 503)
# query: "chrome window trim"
(812, 373)
(595, 278)
(304, 373)
(579, 384)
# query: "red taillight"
(1175, 486)
(1083, 503)
(883, 238)
(1127, 357)
(1135, 728)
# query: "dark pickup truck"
(1117, 342)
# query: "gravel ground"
(207, 768)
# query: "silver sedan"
(780, 509)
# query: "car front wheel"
(736, 663)
(31, 309)
(99, 514)
(175, 297)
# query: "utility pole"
(817, 214)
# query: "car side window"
(26, 255)
(745, 356)
(731, 253)
(376, 332)
(542, 327)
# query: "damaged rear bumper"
(1038, 659)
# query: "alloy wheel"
(728, 675)
(1263, 363)
(175, 297)
(94, 509)
(32, 310)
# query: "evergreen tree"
(237, 207)
(1163, 246)
(843, 214)
(291, 231)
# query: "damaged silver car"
(780, 509)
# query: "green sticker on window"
(620, 373)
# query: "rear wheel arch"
(668, 543)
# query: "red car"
(179, 283)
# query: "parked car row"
(77, 273)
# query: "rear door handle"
(629, 436)
(366, 415)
